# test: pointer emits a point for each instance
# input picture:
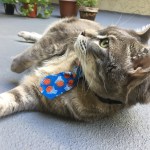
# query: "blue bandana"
(54, 85)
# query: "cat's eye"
(104, 43)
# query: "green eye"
(104, 43)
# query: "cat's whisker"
(85, 66)
(127, 20)
(90, 84)
(104, 86)
(119, 20)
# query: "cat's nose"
(83, 33)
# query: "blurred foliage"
(44, 7)
(87, 3)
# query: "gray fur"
(119, 72)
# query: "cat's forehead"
(116, 31)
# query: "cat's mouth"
(81, 43)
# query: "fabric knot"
(54, 85)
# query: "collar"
(107, 100)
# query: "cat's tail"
(21, 98)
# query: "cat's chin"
(77, 62)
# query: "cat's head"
(114, 60)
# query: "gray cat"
(115, 65)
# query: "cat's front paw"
(16, 66)
(20, 63)
(29, 36)
(3, 105)
(24, 34)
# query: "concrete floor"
(128, 130)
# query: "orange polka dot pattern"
(57, 84)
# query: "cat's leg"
(22, 98)
(53, 44)
(30, 36)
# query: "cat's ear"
(144, 33)
(140, 64)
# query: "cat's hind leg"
(30, 36)
(22, 98)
